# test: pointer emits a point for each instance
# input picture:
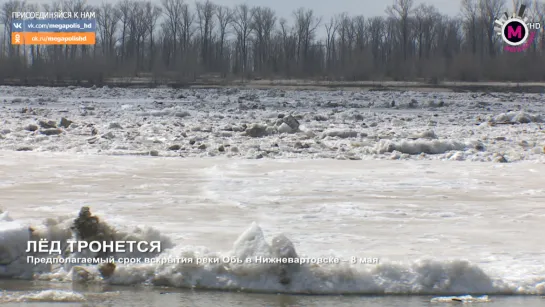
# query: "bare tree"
(360, 29)
(180, 43)
(263, 22)
(6, 10)
(242, 26)
(401, 11)
(186, 25)
(376, 26)
(173, 10)
(125, 8)
(346, 38)
(107, 22)
(470, 13)
(289, 43)
(426, 18)
(225, 17)
(205, 14)
(490, 10)
(75, 6)
(152, 12)
(331, 32)
(539, 14)
(305, 24)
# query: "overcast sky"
(325, 8)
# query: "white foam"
(461, 299)
(520, 117)
(46, 296)
(419, 277)
(13, 243)
(4, 217)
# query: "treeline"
(176, 40)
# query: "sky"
(324, 8)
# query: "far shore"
(421, 86)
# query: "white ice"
(444, 218)
(500, 127)
(437, 227)
(44, 296)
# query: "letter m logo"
(512, 32)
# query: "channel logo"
(515, 30)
